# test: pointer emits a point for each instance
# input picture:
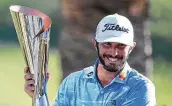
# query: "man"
(110, 81)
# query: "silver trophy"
(33, 31)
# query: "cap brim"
(116, 40)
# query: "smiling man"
(110, 81)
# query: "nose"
(114, 52)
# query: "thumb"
(48, 76)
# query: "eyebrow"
(121, 44)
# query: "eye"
(107, 44)
(121, 46)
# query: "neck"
(105, 76)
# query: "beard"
(117, 65)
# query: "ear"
(94, 44)
(132, 47)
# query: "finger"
(29, 88)
(26, 70)
(29, 91)
(30, 82)
(28, 76)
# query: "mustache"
(110, 56)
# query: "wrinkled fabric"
(83, 88)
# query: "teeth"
(112, 59)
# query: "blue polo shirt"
(128, 88)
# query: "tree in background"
(80, 18)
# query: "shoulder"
(79, 75)
(141, 92)
(137, 80)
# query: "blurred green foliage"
(161, 18)
(160, 26)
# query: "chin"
(114, 66)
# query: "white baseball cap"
(115, 28)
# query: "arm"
(143, 95)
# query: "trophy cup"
(33, 32)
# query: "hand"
(29, 86)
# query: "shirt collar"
(123, 75)
(90, 73)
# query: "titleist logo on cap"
(114, 27)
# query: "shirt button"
(101, 92)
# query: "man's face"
(113, 56)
